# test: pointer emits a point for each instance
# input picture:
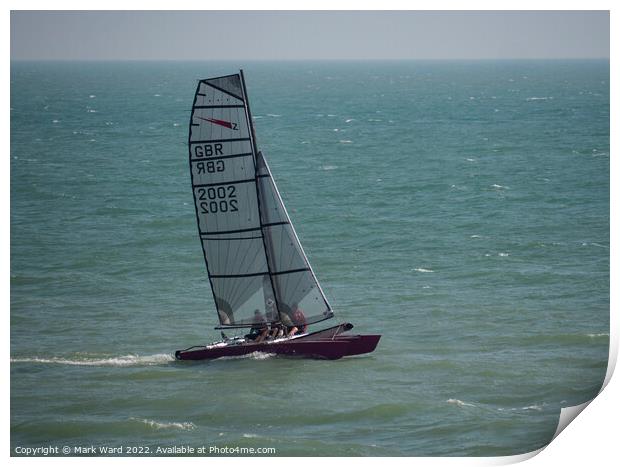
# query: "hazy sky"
(284, 35)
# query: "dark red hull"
(327, 344)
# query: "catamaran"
(258, 271)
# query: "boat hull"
(313, 345)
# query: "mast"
(247, 108)
(258, 196)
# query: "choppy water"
(461, 209)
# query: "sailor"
(299, 321)
(259, 331)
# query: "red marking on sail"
(220, 122)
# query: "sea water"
(460, 209)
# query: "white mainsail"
(256, 266)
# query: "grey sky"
(286, 35)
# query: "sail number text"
(210, 167)
(208, 150)
(217, 199)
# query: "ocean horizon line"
(306, 60)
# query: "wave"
(329, 167)
(165, 425)
(345, 141)
(124, 360)
(423, 270)
(460, 403)
(595, 244)
(538, 98)
(559, 339)
(535, 407)
(532, 407)
(369, 414)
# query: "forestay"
(256, 266)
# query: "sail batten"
(227, 182)
(257, 269)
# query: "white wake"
(123, 360)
